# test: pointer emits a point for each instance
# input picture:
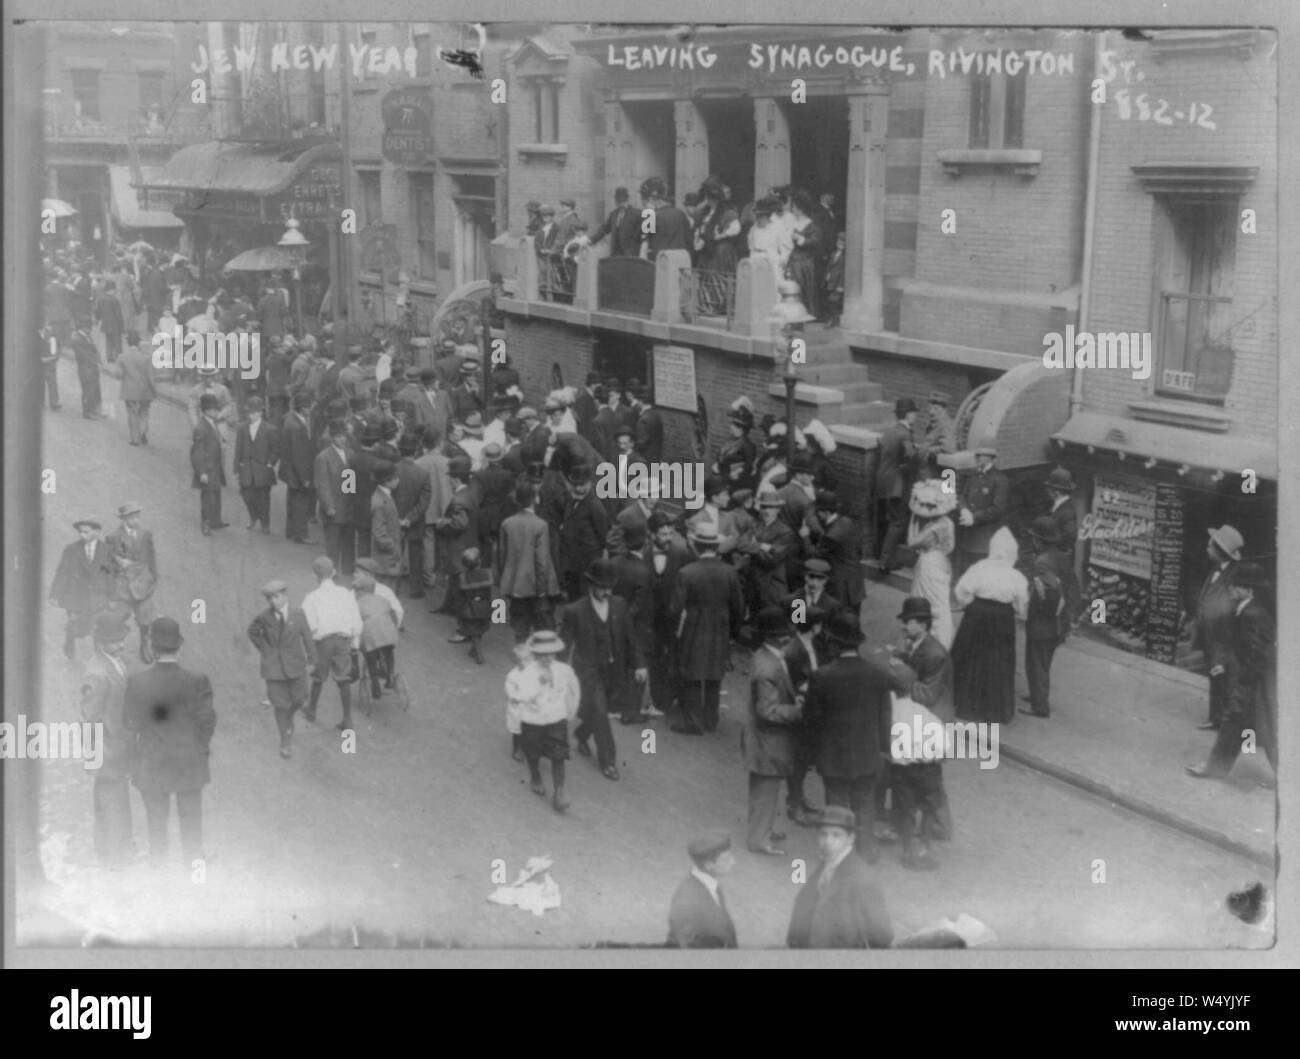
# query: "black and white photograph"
(584, 488)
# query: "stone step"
(822, 374)
(861, 392)
(872, 414)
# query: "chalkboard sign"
(625, 285)
(1165, 605)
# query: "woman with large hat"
(543, 695)
(932, 536)
(994, 594)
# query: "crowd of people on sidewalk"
(441, 483)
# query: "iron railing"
(558, 280)
(708, 294)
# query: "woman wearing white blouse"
(994, 594)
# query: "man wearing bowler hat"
(602, 649)
(581, 532)
(207, 459)
(283, 639)
(1046, 622)
(836, 542)
(848, 714)
(135, 570)
(708, 600)
(623, 226)
(983, 508)
(698, 916)
(297, 464)
(895, 469)
(83, 583)
(1214, 607)
(257, 450)
(769, 736)
(103, 702)
(1060, 486)
(940, 435)
(170, 711)
(841, 907)
(336, 504)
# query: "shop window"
(85, 94)
(546, 111)
(371, 201)
(997, 111)
(422, 203)
(150, 86)
(1195, 258)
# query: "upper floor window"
(85, 93)
(546, 111)
(150, 84)
(997, 111)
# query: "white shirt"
(474, 450)
(780, 658)
(1059, 501)
(383, 368)
(254, 425)
(90, 549)
(829, 867)
(390, 597)
(710, 883)
(496, 431)
(807, 640)
(331, 610)
(601, 607)
(536, 696)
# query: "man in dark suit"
(83, 582)
(137, 389)
(412, 495)
(623, 226)
(582, 526)
(847, 711)
(365, 458)
(457, 531)
(134, 563)
(804, 655)
(672, 228)
(495, 484)
(336, 506)
(649, 427)
(1251, 677)
(815, 591)
(544, 245)
(170, 710)
(585, 409)
(769, 736)
(602, 649)
(108, 313)
(282, 638)
(1060, 486)
(528, 578)
(1214, 607)
(894, 471)
(297, 460)
(208, 463)
(87, 357)
(664, 558)
(838, 545)
(768, 551)
(279, 362)
(924, 668)
(698, 916)
(983, 500)
(708, 599)
(841, 907)
(1046, 622)
(257, 448)
(385, 526)
(154, 292)
(632, 584)
(467, 395)
(47, 347)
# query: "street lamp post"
(786, 320)
(296, 243)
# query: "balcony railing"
(1196, 355)
(556, 283)
(708, 295)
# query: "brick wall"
(907, 377)
(535, 345)
(1243, 93)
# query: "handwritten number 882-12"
(1197, 113)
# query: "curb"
(1026, 759)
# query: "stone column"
(864, 251)
(692, 148)
(620, 154)
(771, 146)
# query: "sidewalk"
(1120, 730)
(1123, 732)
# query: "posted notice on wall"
(675, 378)
(1120, 524)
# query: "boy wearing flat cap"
(698, 917)
(283, 639)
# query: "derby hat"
(768, 498)
(772, 621)
(165, 634)
(843, 630)
(492, 452)
(715, 484)
(902, 406)
(459, 466)
(838, 816)
(1252, 576)
(209, 400)
(110, 625)
(1060, 480)
(601, 573)
(801, 465)
(827, 501)
(579, 474)
(915, 607)
(1229, 540)
(131, 507)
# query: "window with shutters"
(997, 111)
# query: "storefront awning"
(242, 168)
(126, 203)
(1193, 448)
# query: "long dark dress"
(804, 267)
(984, 662)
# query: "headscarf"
(996, 578)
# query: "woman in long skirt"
(933, 536)
(994, 594)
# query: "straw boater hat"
(93, 523)
(929, 498)
(545, 643)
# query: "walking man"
(87, 357)
(297, 465)
(335, 621)
(207, 459)
(336, 503)
(707, 598)
(528, 578)
(138, 388)
(768, 739)
(170, 711)
(1214, 607)
(283, 639)
(103, 702)
(1046, 623)
(83, 583)
(894, 478)
(257, 448)
(135, 568)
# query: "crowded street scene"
(553, 486)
